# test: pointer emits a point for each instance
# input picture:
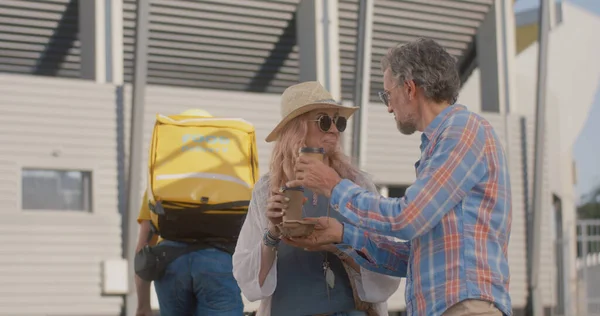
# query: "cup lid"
(285, 188)
(312, 150)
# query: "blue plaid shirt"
(455, 218)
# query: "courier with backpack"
(201, 172)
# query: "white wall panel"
(50, 260)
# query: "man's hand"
(315, 175)
(327, 231)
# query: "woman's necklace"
(328, 273)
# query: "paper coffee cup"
(313, 152)
(293, 225)
(294, 210)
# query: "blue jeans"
(199, 283)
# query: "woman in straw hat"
(288, 279)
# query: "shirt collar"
(439, 119)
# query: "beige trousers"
(473, 307)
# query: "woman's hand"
(276, 206)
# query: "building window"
(58, 190)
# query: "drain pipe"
(362, 76)
(135, 149)
(535, 306)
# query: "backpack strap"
(161, 205)
(159, 208)
(151, 232)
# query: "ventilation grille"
(40, 37)
(452, 23)
(235, 45)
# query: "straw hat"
(302, 98)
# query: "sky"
(586, 150)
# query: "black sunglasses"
(325, 121)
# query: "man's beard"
(407, 127)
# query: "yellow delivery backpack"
(201, 172)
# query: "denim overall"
(301, 287)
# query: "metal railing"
(588, 266)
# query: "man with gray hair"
(456, 217)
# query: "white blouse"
(372, 287)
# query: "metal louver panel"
(236, 45)
(452, 23)
(40, 37)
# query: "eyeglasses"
(385, 96)
(325, 122)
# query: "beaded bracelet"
(270, 240)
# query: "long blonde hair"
(285, 154)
